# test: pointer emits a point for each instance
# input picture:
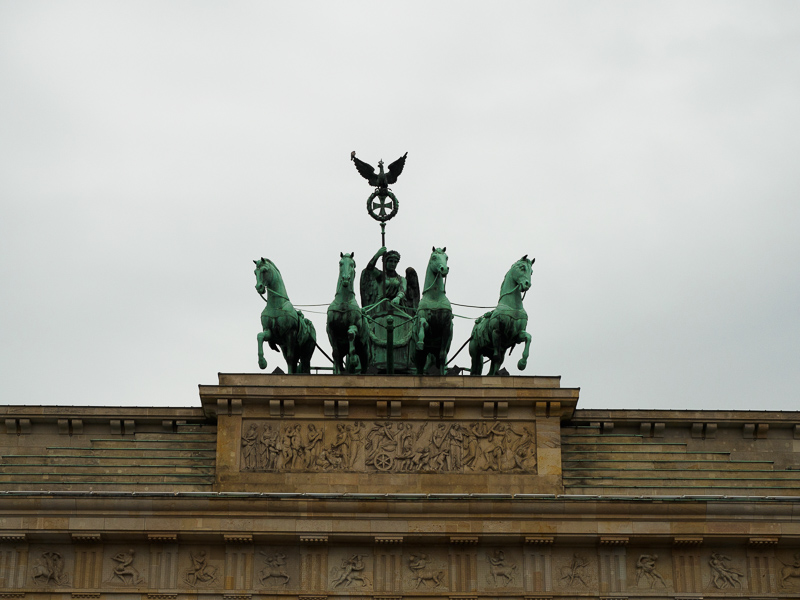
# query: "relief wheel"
(383, 462)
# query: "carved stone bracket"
(86, 538)
(614, 540)
(235, 596)
(85, 595)
(313, 539)
(12, 594)
(464, 540)
(763, 541)
(12, 537)
(312, 598)
(687, 541)
(162, 538)
(238, 538)
(389, 539)
(161, 596)
(539, 540)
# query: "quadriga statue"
(347, 327)
(504, 327)
(282, 325)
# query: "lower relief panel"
(394, 570)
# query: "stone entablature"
(311, 487)
(386, 434)
(252, 544)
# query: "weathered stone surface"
(450, 487)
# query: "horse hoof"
(522, 364)
(262, 363)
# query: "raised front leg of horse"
(263, 336)
(523, 337)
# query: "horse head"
(518, 276)
(438, 262)
(265, 272)
(347, 269)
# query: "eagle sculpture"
(383, 179)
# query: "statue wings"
(367, 171)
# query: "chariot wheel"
(383, 462)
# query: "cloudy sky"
(646, 153)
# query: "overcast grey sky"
(646, 153)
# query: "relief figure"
(646, 571)
(274, 567)
(200, 572)
(790, 571)
(722, 574)
(249, 447)
(351, 570)
(574, 571)
(49, 569)
(500, 572)
(423, 573)
(124, 571)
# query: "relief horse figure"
(504, 327)
(282, 325)
(433, 330)
(347, 327)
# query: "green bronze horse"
(282, 325)
(504, 327)
(433, 330)
(347, 328)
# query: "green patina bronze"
(282, 325)
(390, 300)
(504, 327)
(434, 323)
(347, 327)
(386, 205)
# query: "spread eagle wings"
(367, 171)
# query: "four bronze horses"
(495, 332)
(282, 326)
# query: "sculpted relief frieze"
(389, 446)
(48, 570)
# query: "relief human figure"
(574, 571)
(200, 571)
(125, 571)
(351, 571)
(498, 567)
(313, 444)
(722, 574)
(441, 451)
(249, 447)
(49, 568)
(298, 448)
(456, 440)
(274, 567)
(646, 570)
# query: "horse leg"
(262, 337)
(477, 357)
(423, 325)
(523, 362)
(352, 358)
(337, 357)
(497, 352)
(444, 349)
